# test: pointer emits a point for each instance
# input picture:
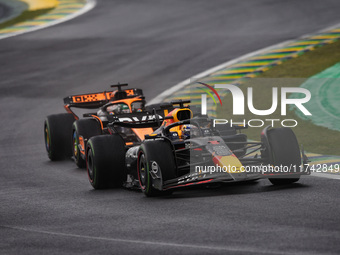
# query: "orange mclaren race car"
(186, 151)
(66, 134)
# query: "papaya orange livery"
(91, 97)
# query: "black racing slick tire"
(285, 151)
(58, 135)
(83, 129)
(105, 161)
(159, 153)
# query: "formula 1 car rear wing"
(148, 118)
(98, 99)
(137, 119)
(153, 116)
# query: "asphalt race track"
(4, 12)
(50, 208)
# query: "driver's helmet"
(124, 108)
(118, 108)
(189, 130)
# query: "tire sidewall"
(86, 128)
(161, 152)
(108, 158)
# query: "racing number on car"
(129, 92)
(86, 98)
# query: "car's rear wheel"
(284, 151)
(58, 135)
(156, 156)
(105, 156)
(83, 130)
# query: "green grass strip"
(308, 64)
(25, 16)
(292, 72)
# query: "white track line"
(153, 243)
(182, 84)
(325, 175)
(90, 4)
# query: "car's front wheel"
(83, 130)
(155, 164)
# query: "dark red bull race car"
(186, 151)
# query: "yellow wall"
(40, 4)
